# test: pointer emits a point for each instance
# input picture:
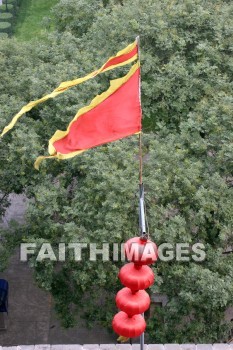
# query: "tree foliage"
(186, 57)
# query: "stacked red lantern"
(136, 276)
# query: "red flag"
(114, 114)
(125, 56)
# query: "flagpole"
(140, 134)
(140, 159)
(142, 223)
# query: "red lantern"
(132, 303)
(141, 252)
(129, 327)
(136, 277)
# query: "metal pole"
(143, 235)
(142, 340)
(140, 158)
(142, 223)
(141, 188)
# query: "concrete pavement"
(31, 318)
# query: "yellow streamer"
(68, 84)
(114, 85)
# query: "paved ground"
(31, 318)
(125, 347)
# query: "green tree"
(186, 59)
(76, 16)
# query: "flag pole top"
(138, 43)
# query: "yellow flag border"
(114, 85)
(68, 84)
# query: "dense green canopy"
(186, 56)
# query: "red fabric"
(116, 117)
(141, 252)
(136, 278)
(132, 303)
(120, 59)
(129, 327)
